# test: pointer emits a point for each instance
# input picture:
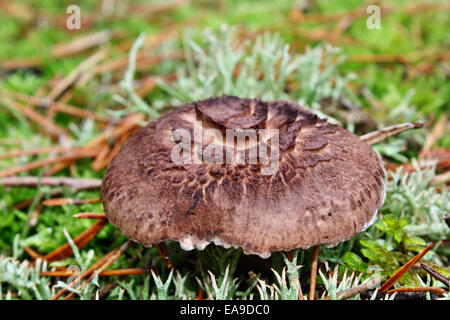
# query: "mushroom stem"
(379, 135)
(312, 288)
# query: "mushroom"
(181, 179)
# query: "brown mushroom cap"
(328, 188)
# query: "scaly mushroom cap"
(328, 187)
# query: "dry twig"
(90, 271)
(32, 253)
(435, 274)
(47, 125)
(38, 151)
(392, 280)
(436, 132)
(379, 135)
(89, 215)
(109, 261)
(418, 289)
(312, 288)
(108, 273)
(75, 74)
(63, 201)
(80, 241)
(365, 286)
(73, 183)
(43, 162)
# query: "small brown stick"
(435, 133)
(440, 154)
(359, 13)
(153, 10)
(418, 289)
(35, 215)
(199, 295)
(339, 29)
(300, 292)
(81, 44)
(96, 165)
(22, 63)
(435, 274)
(77, 112)
(58, 273)
(392, 280)
(18, 10)
(143, 61)
(290, 256)
(63, 201)
(37, 151)
(374, 103)
(29, 15)
(445, 243)
(32, 253)
(105, 265)
(89, 215)
(351, 292)
(73, 183)
(64, 84)
(47, 125)
(10, 141)
(43, 162)
(105, 290)
(56, 106)
(441, 178)
(57, 168)
(107, 159)
(146, 86)
(329, 17)
(409, 167)
(408, 58)
(115, 149)
(80, 241)
(123, 272)
(108, 273)
(130, 122)
(312, 288)
(27, 202)
(164, 253)
(151, 41)
(62, 50)
(88, 272)
(447, 219)
(382, 134)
